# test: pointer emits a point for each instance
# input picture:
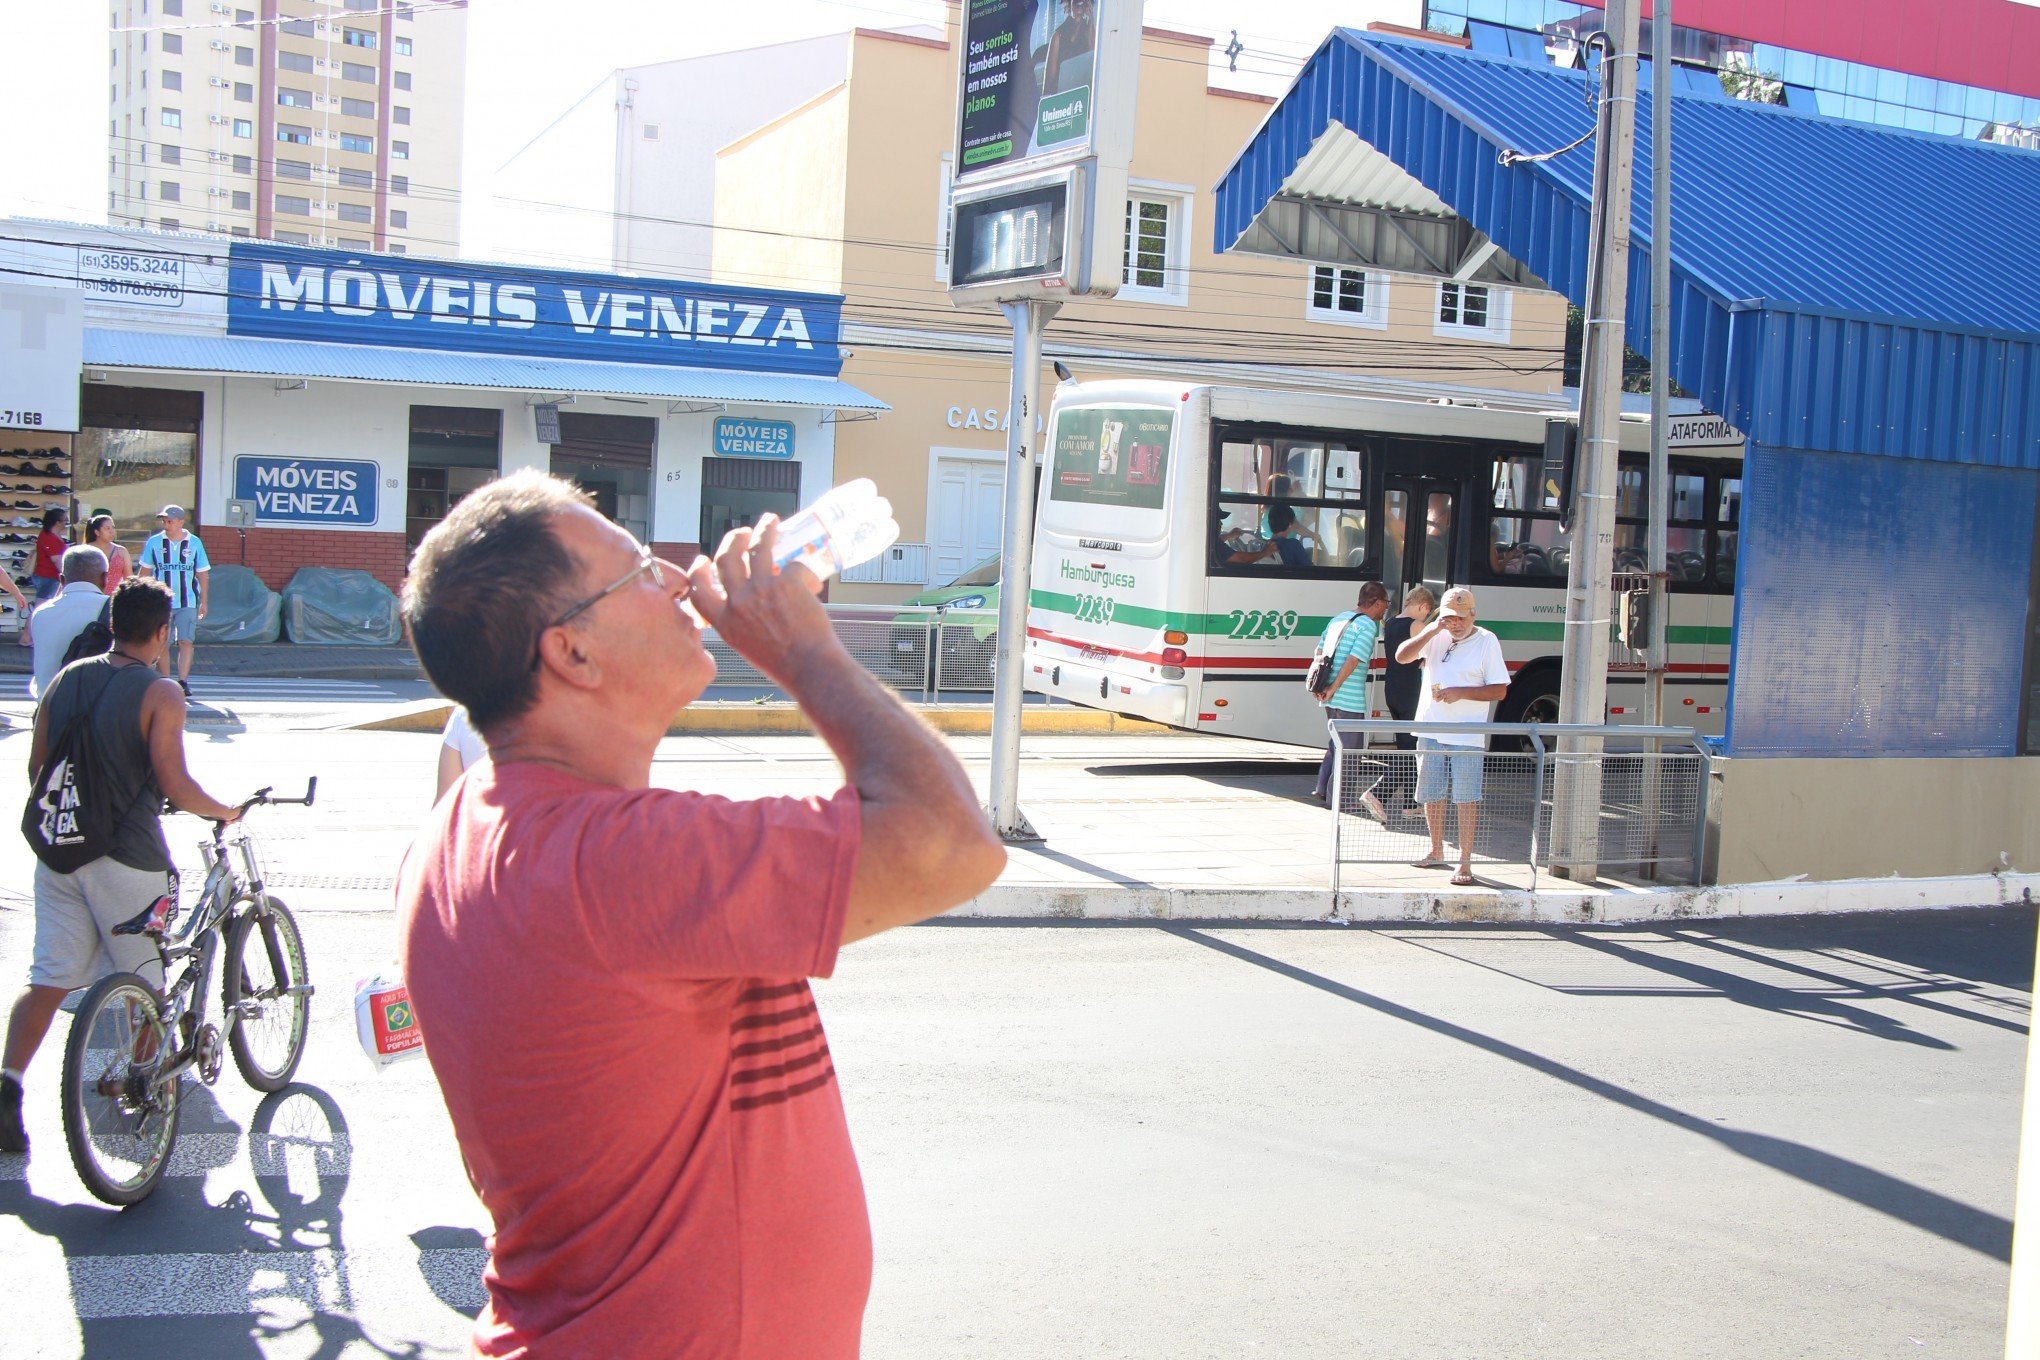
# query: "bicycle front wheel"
(120, 1113)
(267, 994)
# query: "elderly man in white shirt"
(59, 619)
(1464, 676)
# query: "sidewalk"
(1160, 825)
(275, 661)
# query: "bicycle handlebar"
(262, 796)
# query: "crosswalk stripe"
(16, 687)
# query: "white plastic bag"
(385, 1022)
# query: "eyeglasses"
(646, 563)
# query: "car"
(968, 639)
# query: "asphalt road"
(1793, 1139)
(1786, 1138)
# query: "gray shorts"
(184, 624)
(74, 919)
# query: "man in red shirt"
(612, 979)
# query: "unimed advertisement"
(1112, 455)
(1027, 80)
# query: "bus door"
(1420, 528)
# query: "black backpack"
(69, 821)
(1318, 678)
(94, 639)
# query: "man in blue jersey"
(174, 556)
(1347, 697)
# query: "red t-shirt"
(612, 988)
(49, 555)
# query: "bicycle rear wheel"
(266, 989)
(120, 1116)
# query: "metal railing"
(1652, 816)
(919, 650)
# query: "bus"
(1160, 589)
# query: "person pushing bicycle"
(122, 710)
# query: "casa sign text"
(984, 418)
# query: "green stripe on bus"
(1509, 630)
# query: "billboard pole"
(1016, 565)
(1660, 356)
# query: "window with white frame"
(1346, 294)
(1157, 239)
(1473, 310)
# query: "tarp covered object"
(325, 606)
(239, 608)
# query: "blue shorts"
(1436, 761)
(184, 624)
(44, 588)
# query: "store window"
(454, 450)
(610, 457)
(737, 491)
(136, 452)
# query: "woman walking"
(100, 533)
(45, 578)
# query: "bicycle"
(130, 1046)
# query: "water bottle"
(852, 524)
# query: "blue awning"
(1837, 286)
(450, 368)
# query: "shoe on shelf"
(13, 1133)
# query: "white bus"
(1158, 590)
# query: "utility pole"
(1658, 655)
(1583, 686)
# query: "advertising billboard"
(1029, 79)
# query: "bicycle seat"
(151, 920)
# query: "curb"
(1119, 902)
(429, 715)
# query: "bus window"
(1395, 523)
(1436, 568)
(1632, 491)
(1516, 485)
(1318, 484)
(1728, 514)
(1528, 547)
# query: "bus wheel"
(1531, 698)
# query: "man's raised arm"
(926, 846)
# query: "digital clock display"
(1021, 234)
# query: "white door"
(966, 514)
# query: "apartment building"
(315, 122)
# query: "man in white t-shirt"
(1464, 676)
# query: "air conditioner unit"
(222, 9)
(219, 46)
(216, 120)
(219, 83)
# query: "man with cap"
(174, 556)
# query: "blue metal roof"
(451, 368)
(1836, 286)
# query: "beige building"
(825, 164)
(325, 124)
(863, 170)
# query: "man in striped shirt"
(176, 557)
